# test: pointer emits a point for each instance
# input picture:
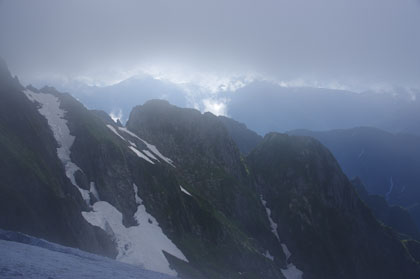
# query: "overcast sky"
(325, 42)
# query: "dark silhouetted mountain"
(319, 214)
(386, 163)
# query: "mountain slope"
(395, 217)
(208, 165)
(329, 231)
(35, 195)
(386, 163)
(106, 169)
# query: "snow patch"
(94, 191)
(136, 194)
(129, 132)
(49, 107)
(273, 224)
(268, 255)
(151, 147)
(184, 191)
(141, 155)
(286, 251)
(141, 245)
(115, 132)
(291, 272)
(119, 135)
(156, 151)
(150, 155)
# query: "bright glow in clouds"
(116, 115)
(217, 107)
(322, 41)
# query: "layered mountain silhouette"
(266, 107)
(172, 192)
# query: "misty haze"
(234, 139)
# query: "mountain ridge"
(171, 192)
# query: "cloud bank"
(329, 42)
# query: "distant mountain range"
(267, 107)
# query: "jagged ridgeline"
(171, 192)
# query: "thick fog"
(327, 43)
(225, 57)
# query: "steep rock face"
(206, 159)
(387, 163)
(35, 195)
(131, 191)
(209, 167)
(328, 230)
(118, 183)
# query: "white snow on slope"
(185, 191)
(151, 147)
(93, 190)
(268, 255)
(115, 131)
(150, 155)
(141, 245)
(144, 154)
(272, 223)
(18, 260)
(49, 107)
(140, 154)
(119, 135)
(291, 272)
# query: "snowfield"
(39, 259)
(141, 245)
(49, 107)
